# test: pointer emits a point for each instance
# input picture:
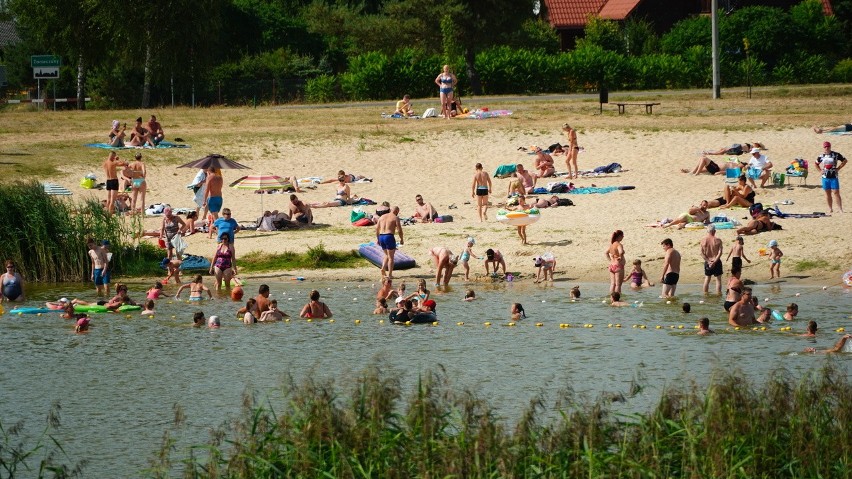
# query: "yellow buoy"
(408, 323)
(310, 320)
(487, 323)
(330, 320)
(617, 325)
(357, 321)
(737, 328)
(460, 323)
(538, 325)
(609, 325)
(642, 327)
(680, 326)
(39, 314)
(381, 321)
(434, 323)
(659, 327)
(511, 324)
(287, 320)
(150, 316)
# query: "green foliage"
(19, 452)
(640, 37)
(685, 34)
(605, 34)
(800, 67)
(771, 427)
(251, 77)
(506, 70)
(592, 65)
(322, 89)
(752, 71)
(842, 72)
(813, 31)
(660, 72)
(315, 258)
(46, 236)
(767, 29)
(536, 34)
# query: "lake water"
(117, 384)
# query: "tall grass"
(20, 454)
(316, 257)
(46, 235)
(734, 428)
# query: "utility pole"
(714, 25)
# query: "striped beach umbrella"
(54, 189)
(260, 182)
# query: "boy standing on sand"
(480, 189)
(387, 225)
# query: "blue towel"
(594, 189)
(162, 145)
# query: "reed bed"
(733, 428)
(46, 235)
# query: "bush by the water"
(46, 236)
(776, 427)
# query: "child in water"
(638, 276)
(517, 312)
(470, 295)
(792, 312)
(198, 319)
(82, 325)
(156, 291)
(615, 300)
(381, 306)
(196, 289)
(775, 255)
(149, 308)
(704, 327)
(575, 292)
(273, 313)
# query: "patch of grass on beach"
(315, 258)
(806, 265)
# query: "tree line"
(239, 52)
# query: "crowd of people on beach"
(126, 188)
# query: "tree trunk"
(472, 74)
(146, 87)
(81, 82)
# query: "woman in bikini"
(224, 263)
(196, 288)
(446, 81)
(695, 214)
(573, 149)
(138, 184)
(343, 197)
(615, 255)
(740, 195)
(543, 164)
(116, 134)
(735, 288)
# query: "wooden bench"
(649, 107)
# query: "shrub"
(842, 72)
(685, 34)
(322, 89)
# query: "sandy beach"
(436, 158)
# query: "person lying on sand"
(695, 214)
(847, 127)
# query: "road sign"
(37, 61)
(45, 73)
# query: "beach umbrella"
(54, 189)
(216, 161)
(260, 183)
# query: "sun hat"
(213, 321)
(399, 300)
(755, 150)
(430, 303)
(773, 243)
(63, 300)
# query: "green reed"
(733, 428)
(20, 454)
(46, 235)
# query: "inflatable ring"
(518, 218)
(777, 316)
(847, 278)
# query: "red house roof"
(618, 9)
(572, 13)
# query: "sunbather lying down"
(694, 214)
(350, 178)
(836, 129)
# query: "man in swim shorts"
(711, 252)
(830, 163)
(671, 269)
(110, 166)
(213, 198)
(155, 130)
(480, 189)
(300, 213)
(386, 226)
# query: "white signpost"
(46, 67)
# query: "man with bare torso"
(527, 181)
(671, 269)
(481, 189)
(155, 130)
(711, 252)
(299, 212)
(213, 194)
(139, 135)
(111, 165)
(386, 226)
(424, 212)
(742, 313)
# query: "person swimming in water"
(11, 284)
(196, 289)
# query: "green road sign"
(37, 61)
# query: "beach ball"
(237, 293)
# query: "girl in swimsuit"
(249, 317)
(735, 288)
(196, 288)
(343, 197)
(156, 291)
(615, 255)
(446, 81)
(638, 275)
(224, 263)
(573, 149)
(421, 295)
(138, 183)
(12, 284)
(465, 257)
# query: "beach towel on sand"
(505, 170)
(162, 145)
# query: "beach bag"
(610, 168)
(755, 209)
(559, 188)
(564, 202)
(179, 244)
(356, 214)
(87, 183)
(444, 219)
(430, 113)
(363, 222)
